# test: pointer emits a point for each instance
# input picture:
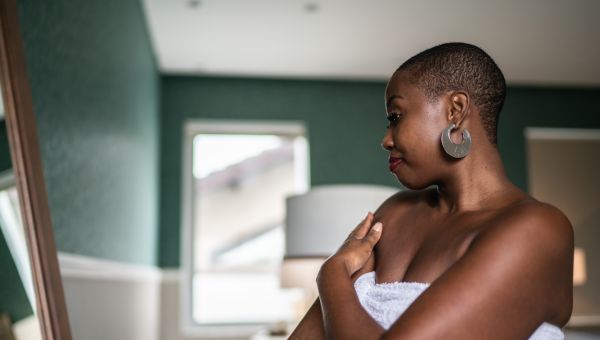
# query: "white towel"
(385, 302)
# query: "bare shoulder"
(536, 233)
(535, 239)
(535, 223)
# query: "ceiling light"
(311, 7)
(194, 4)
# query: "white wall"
(114, 301)
(109, 300)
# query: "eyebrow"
(389, 101)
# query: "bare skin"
(499, 261)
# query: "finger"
(363, 228)
(374, 234)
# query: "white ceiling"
(534, 41)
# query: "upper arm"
(311, 326)
(503, 286)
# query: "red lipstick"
(394, 162)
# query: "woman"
(480, 258)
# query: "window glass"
(240, 183)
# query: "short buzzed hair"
(461, 66)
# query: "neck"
(474, 183)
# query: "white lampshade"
(319, 221)
(316, 224)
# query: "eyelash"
(393, 118)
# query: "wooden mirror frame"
(51, 309)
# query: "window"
(236, 178)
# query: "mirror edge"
(28, 171)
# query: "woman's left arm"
(343, 316)
(516, 274)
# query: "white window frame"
(191, 128)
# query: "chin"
(413, 183)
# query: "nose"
(387, 143)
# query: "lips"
(394, 162)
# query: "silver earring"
(456, 150)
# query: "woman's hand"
(342, 314)
(358, 247)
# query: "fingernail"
(377, 226)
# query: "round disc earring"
(455, 150)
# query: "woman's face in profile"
(414, 134)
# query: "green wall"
(95, 90)
(95, 93)
(5, 161)
(345, 121)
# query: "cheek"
(422, 140)
(431, 132)
(436, 120)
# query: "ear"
(458, 108)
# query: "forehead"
(400, 86)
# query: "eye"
(394, 118)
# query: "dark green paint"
(5, 161)
(95, 92)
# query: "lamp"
(317, 223)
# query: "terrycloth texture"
(385, 302)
